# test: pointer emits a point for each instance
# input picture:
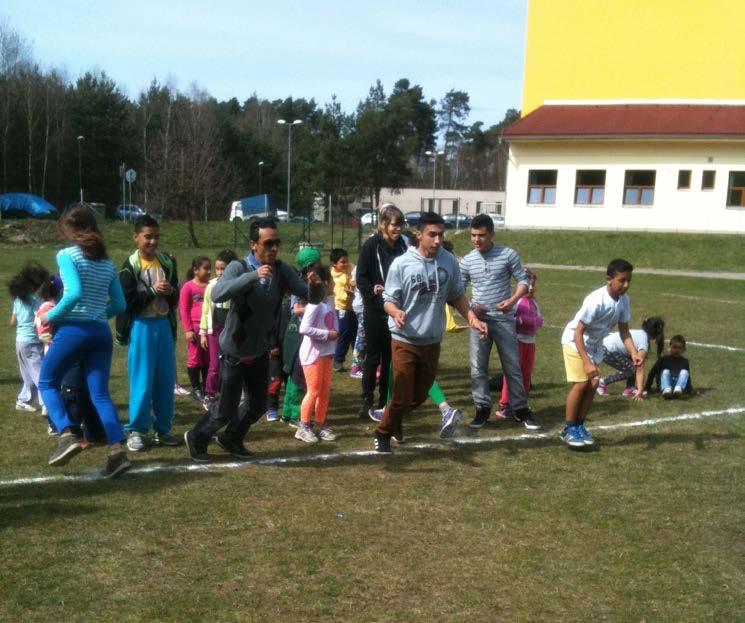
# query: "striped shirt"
(491, 274)
(87, 287)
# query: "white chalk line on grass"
(333, 456)
(701, 298)
(733, 349)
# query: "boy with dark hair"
(582, 343)
(255, 288)
(418, 286)
(341, 272)
(148, 325)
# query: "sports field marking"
(732, 349)
(333, 456)
(701, 298)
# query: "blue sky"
(279, 48)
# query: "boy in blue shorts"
(582, 343)
(150, 283)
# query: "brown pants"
(414, 371)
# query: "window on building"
(684, 179)
(736, 190)
(707, 180)
(542, 186)
(589, 188)
(478, 207)
(638, 188)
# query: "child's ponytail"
(654, 327)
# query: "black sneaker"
(382, 443)
(195, 454)
(117, 464)
(198, 396)
(68, 445)
(482, 417)
(365, 410)
(525, 417)
(233, 448)
(338, 366)
(398, 437)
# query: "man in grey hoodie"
(255, 288)
(419, 285)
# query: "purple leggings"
(212, 383)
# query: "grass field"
(647, 527)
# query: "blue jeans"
(90, 344)
(151, 363)
(668, 381)
(347, 334)
(503, 334)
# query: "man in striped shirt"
(490, 269)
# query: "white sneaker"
(24, 406)
(678, 392)
(304, 433)
(325, 433)
(135, 442)
(44, 411)
(667, 392)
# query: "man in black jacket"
(255, 288)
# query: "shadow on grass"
(25, 503)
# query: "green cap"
(307, 256)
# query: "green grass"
(646, 528)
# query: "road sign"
(130, 175)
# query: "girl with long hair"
(92, 294)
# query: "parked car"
(128, 211)
(413, 218)
(282, 216)
(369, 219)
(457, 221)
(497, 218)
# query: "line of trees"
(193, 154)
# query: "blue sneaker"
(572, 436)
(376, 415)
(585, 435)
(272, 416)
(450, 420)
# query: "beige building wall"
(692, 210)
(415, 199)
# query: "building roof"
(594, 121)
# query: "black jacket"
(138, 300)
(675, 365)
(376, 257)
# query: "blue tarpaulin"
(24, 205)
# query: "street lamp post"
(433, 155)
(289, 125)
(261, 170)
(80, 165)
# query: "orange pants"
(318, 380)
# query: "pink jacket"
(315, 326)
(190, 302)
(528, 316)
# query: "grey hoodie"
(421, 287)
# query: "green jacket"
(137, 299)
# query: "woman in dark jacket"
(375, 259)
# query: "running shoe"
(602, 389)
(376, 415)
(450, 420)
(305, 433)
(572, 437)
(382, 443)
(585, 435)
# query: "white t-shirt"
(614, 344)
(357, 305)
(599, 312)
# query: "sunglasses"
(272, 243)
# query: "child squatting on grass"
(582, 343)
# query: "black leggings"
(378, 351)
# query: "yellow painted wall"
(634, 49)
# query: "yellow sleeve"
(205, 322)
(450, 325)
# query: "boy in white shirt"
(582, 343)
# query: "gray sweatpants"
(30, 355)
(503, 334)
